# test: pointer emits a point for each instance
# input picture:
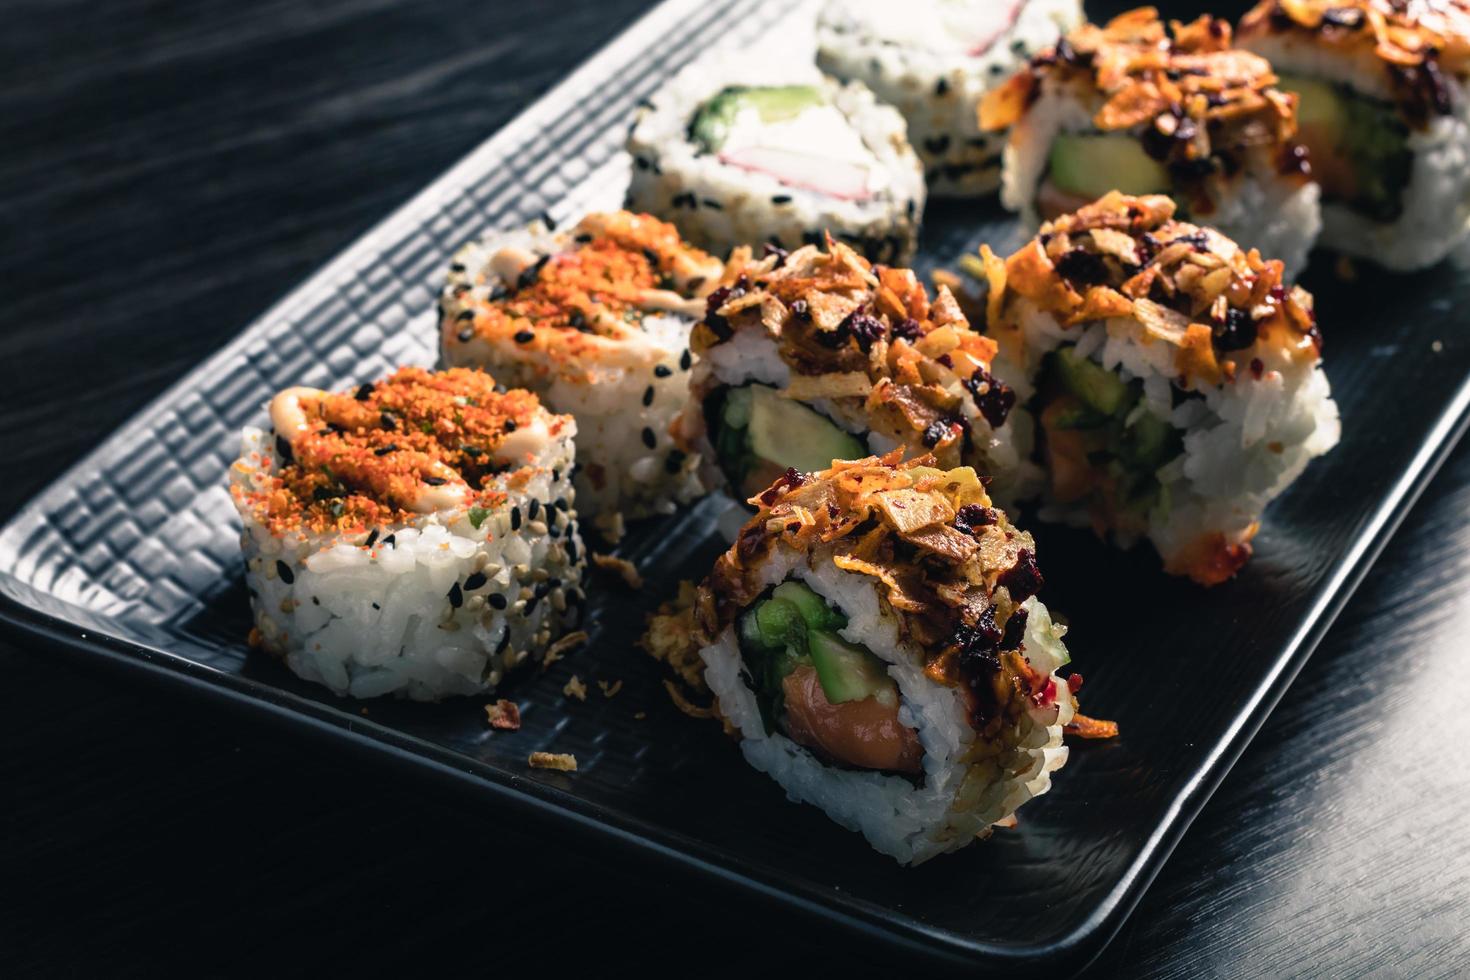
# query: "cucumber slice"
(711, 124)
(750, 633)
(1149, 442)
(845, 670)
(813, 608)
(791, 435)
(736, 414)
(1091, 164)
(780, 623)
(1318, 104)
(1099, 389)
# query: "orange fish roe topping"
(1196, 96)
(622, 267)
(388, 451)
(1418, 42)
(1222, 307)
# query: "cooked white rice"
(911, 58)
(966, 787)
(423, 609)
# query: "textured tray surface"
(135, 550)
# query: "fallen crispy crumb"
(561, 646)
(685, 705)
(1085, 727)
(1008, 822)
(1437, 346)
(1345, 269)
(575, 688)
(624, 568)
(504, 715)
(364, 711)
(608, 690)
(560, 761)
(255, 639)
(610, 525)
(639, 716)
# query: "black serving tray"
(131, 559)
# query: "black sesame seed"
(391, 541)
(674, 462)
(435, 481)
(941, 87)
(530, 606)
(571, 549)
(284, 570)
(466, 315)
(662, 371)
(561, 504)
(524, 336)
(315, 601)
(372, 538)
(685, 360)
(548, 221)
(515, 518)
(475, 581)
(283, 449)
(649, 439)
(385, 450)
(456, 267)
(648, 396)
(388, 420)
(534, 509)
(542, 589)
(510, 425)
(456, 596)
(376, 606)
(781, 199)
(364, 392)
(497, 600)
(466, 335)
(504, 642)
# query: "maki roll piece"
(1174, 378)
(1142, 109)
(1383, 109)
(818, 355)
(595, 321)
(874, 638)
(934, 60)
(413, 535)
(743, 153)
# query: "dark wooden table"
(166, 171)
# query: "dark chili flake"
(908, 328)
(719, 298)
(865, 327)
(1023, 580)
(531, 273)
(977, 645)
(283, 449)
(946, 360)
(648, 396)
(993, 398)
(456, 595)
(770, 249)
(662, 371)
(935, 433)
(1237, 332)
(284, 571)
(476, 580)
(973, 516)
(791, 479)
(1015, 630)
(649, 439)
(1081, 267)
(435, 481)
(1257, 368)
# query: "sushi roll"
(816, 355)
(412, 536)
(1175, 378)
(874, 638)
(934, 60)
(1383, 109)
(595, 321)
(737, 152)
(1140, 109)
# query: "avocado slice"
(1098, 389)
(1091, 164)
(846, 671)
(1149, 442)
(779, 623)
(813, 608)
(776, 103)
(791, 435)
(1318, 104)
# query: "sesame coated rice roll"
(874, 639)
(933, 60)
(1136, 107)
(742, 151)
(596, 321)
(413, 536)
(819, 355)
(1174, 378)
(1384, 110)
